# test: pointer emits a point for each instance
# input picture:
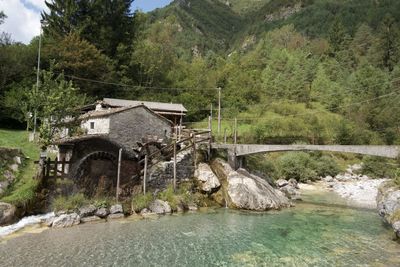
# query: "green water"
(310, 234)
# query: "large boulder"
(66, 220)
(396, 227)
(7, 213)
(160, 207)
(208, 180)
(247, 191)
(388, 203)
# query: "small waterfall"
(24, 222)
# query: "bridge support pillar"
(234, 161)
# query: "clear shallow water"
(307, 235)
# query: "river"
(317, 232)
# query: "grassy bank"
(23, 190)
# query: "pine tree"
(388, 45)
(104, 23)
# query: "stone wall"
(10, 163)
(101, 125)
(137, 125)
(162, 174)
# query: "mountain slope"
(223, 25)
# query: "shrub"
(297, 165)
(377, 167)
(325, 166)
(169, 196)
(140, 201)
(69, 203)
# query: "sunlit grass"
(24, 189)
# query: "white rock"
(66, 220)
(117, 208)
(209, 181)
(250, 192)
(281, 183)
(160, 207)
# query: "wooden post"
(194, 150)
(55, 168)
(219, 109)
(180, 126)
(145, 174)
(119, 172)
(225, 136)
(209, 123)
(174, 181)
(48, 168)
(235, 132)
(63, 166)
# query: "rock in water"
(87, 211)
(7, 213)
(209, 181)
(66, 220)
(117, 208)
(160, 207)
(115, 216)
(250, 192)
(281, 183)
(90, 219)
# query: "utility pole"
(37, 85)
(219, 110)
(118, 173)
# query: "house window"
(92, 125)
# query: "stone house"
(93, 156)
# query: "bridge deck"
(247, 149)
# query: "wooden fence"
(50, 168)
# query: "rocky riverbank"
(216, 183)
(388, 200)
(358, 190)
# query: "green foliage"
(325, 166)
(378, 167)
(23, 191)
(301, 166)
(297, 165)
(72, 202)
(169, 196)
(141, 201)
(2, 17)
(106, 24)
(56, 101)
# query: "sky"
(23, 16)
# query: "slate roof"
(156, 106)
(112, 111)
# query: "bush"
(377, 167)
(169, 196)
(325, 166)
(140, 201)
(297, 165)
(72, 202)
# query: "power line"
(321, 111)
(127, 86)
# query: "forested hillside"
(314, 71)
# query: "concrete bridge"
(236, 152)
